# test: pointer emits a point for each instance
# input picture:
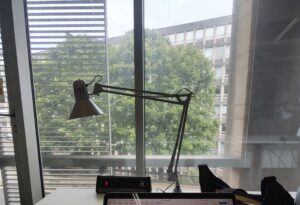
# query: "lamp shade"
(83, 106)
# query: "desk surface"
(73, 197)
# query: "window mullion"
(139, 85)
(19, 88)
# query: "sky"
(163, 13)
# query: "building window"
(229, 27)
(209, 33)
(218, 90)
(208, 52)
(199, 34)
(227, 52)
(219, 52)
(180, 38)
(223, 127)
(189, 36)
(225, 89)
(172, 38)
(217, 110)
(220, 31)
(219, 72)
(224, 110)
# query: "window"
(225, 89)
(172, 38)
(219, 52)
(227, 51)
(69, 40)
(223, 127)
(209, 33)
(180, 38)
(224, 110)
(220, 31)
(189, 36)
(172, 68)
(199, 34)
(208, 52)
(217, 110)
(219, 72)
(229, 27)
(218, 90)
(263, 99)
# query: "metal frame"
(139, 54)
(21, 102)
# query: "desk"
(72, 197)
(90, 197)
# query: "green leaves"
(168, 69)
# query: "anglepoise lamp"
(84, 107)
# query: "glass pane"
(219, 52)
(72, 40)
(220, 31)
(219, 72)
(209, 33)
(190, 36)
(121, 73)
(208, 52)
(180, 38)
(199, 34)
(9, 190)
(172, 38)
(227, 52)
(272, 137)
(170, 68)
(229, 30)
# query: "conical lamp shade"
(85, 108)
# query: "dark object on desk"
(107, 184)
(297, 200)
(273, 193)
(210, 183)
(169, 198)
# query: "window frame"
(20, 95)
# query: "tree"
(168, 69)
(78, 57)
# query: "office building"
(213, 36)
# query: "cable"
(168, 187)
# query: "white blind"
(68, 42)
(9, 180)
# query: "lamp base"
(177, 188)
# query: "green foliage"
(168, 69)
(54, 72)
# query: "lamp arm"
(172, 169)
(178, 98)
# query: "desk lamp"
(84, 107)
